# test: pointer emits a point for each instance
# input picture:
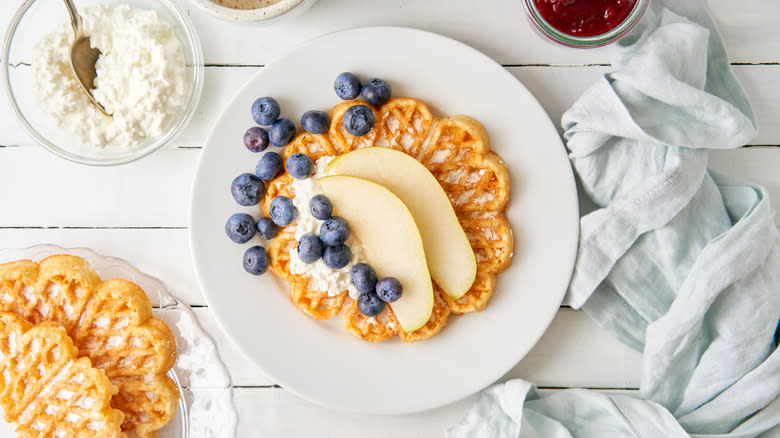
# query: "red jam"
(585, 18)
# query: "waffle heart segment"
(434, 325)
(148, 404)
(317, 304)
(456, 151)
(374, 328)
(280, 186)
(117, 331)
(404, 125)
(459, 156)
(47, 390)
(342, 140)
(315, 146)
(110, 322)
(56, 290)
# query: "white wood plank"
(571, 338)
(220, 85)
(762, 86)
(759, 164)
(154, 192)
(568, 345)
(162, 253)
(40, 189)
(243, 371)
(564, 357)
(499, 29)
(748, 29)
(555, 87)
(278, 413)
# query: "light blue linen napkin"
(679, 263)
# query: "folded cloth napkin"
(678, 262)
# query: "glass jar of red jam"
(585, 23)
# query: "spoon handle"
(75, 18)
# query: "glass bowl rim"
(185, 114)
(549, 31)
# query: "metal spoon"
(82, 56)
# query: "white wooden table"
(139, 211)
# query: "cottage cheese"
(140, 77)
(334, 281)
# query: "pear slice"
(392, 242)
(450, 257)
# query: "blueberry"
(363, 277)
(334, 231)
(358, 120)
(389, 289)
(282, 211)
(268, 166)
(240, 227)
(376, 91)
(247, 189)
(282, 131)
(310, 248)
(347, 86)
(316, 122)
(336, 257)
(370, 304)
(256, 260)
(320, 207)
(266, 228)
(256, 139)
(299, 165)
(265, 111)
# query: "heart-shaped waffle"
(457, 152)
(110, 323)
(47, 390)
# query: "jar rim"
(548, 30)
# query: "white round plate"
(319, 360)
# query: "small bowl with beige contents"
(266, 11)
(149, 77)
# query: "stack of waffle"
(65, 328)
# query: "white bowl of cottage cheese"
(149, 78)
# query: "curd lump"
(323, 278)
(140, 77)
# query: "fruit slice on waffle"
(46, 389)
(456, 152)
(391, 239)
(447, 249)
(110, 323)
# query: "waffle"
(47, 390)
(110, 323)
(457, 152)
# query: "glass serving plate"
(206, 396)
